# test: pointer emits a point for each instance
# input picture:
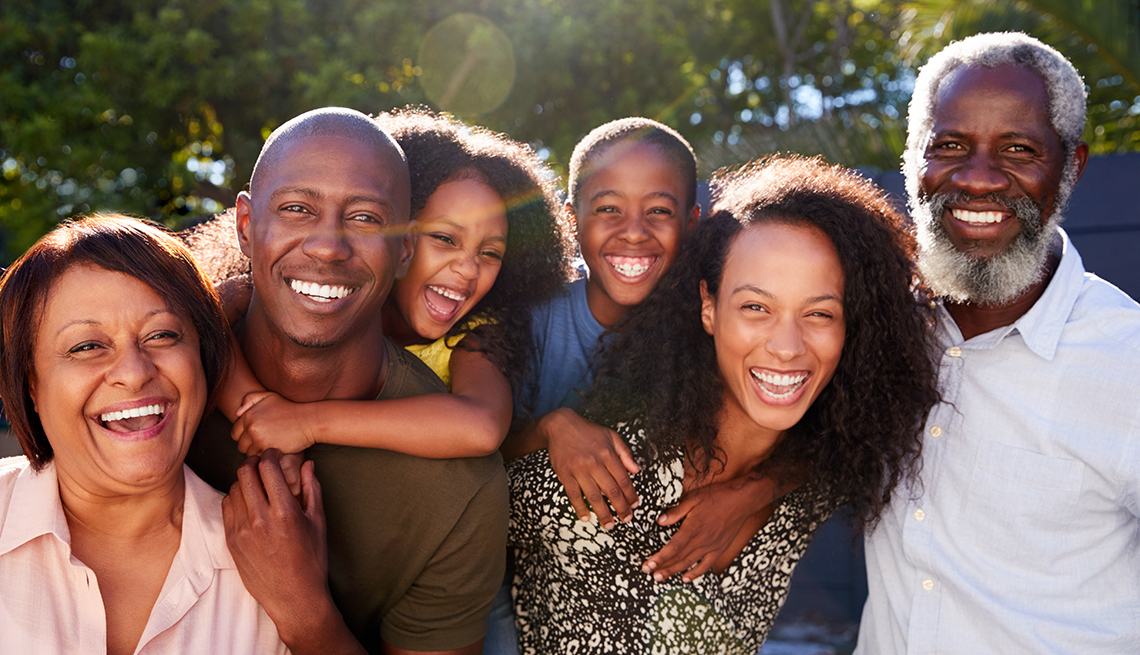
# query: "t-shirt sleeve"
(447, 606)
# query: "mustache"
(1018, 205)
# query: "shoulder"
(10, 470)
(408, 375)
(1109, 313)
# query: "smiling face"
(777, 322)
(631, 219)
(994, 165)
(324, 230)
(118, 382)
(460, 243)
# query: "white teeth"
(630, 270)
(977, 218)
(134, 412)
(448, 293)
(323, 292)
(792, 381)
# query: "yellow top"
(437, 354)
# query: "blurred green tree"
(159, 107)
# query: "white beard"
(997, 280)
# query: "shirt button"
(936, 432)
(954, 351)
(928, 584)
(919, 514)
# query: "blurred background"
(158, 108)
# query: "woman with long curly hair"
(490, 243)
(787, 339)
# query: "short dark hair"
(113, 242)
(861, 436)
(638, 130)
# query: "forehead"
(1012, 97)
(791, 257)
(630, 161)
(336, 165)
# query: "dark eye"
(754, 307)
(492, 254)
(365, 218)
(294, 209)
(163, 336)
(86, 346)
(443, 238)
(606, 209)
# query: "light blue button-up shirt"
(1025, 536)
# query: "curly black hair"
(862, 435)
(536, 263)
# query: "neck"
(122, 517)
(974, 319)
(353, 369)
(396, 327)
(605, 311)
(743, 443)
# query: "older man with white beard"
(1022, 533)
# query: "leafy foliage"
(159, 107)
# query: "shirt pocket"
(1018, 498)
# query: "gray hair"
(1066, 89)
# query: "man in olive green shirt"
(415, 546)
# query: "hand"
(291, 465)
(713, 514)
(593, 463)
(279, 546)
(267, 420)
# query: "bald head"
(331, 122)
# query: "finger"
(314, 500)
(249, 479)
(624, 453)
(618, 488)
(670, 554)
(679, 511)
(597, 502)
(574, 493)
(251, 399)
(702, 567)
(273, 478)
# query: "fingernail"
(658, 577)
(627, 518)
(636, 503)
(609, 525)
(661, 519)
(650, 566)
(685, 579)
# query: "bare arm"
(280, 551)
(471, 421)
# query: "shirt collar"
(34, 510)
(1042, 325)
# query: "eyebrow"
(317, 195)
(757, 290)
(1005, 135)
(91, 321)
(654, 194)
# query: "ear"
(32, 392)
(1081, 155)
(708, 308)
(407, 251)
(694, 216)
(572, 215)
(242, 211)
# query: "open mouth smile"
(977, 218)
(134, 420)
(778, 386)
(630, 267)
(321, 292)
(444, 301)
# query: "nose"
(131, 369)
(634, 230)
(464, 265)
(979, 175)
(327, 241)
(786, 341)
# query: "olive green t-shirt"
(416, 546)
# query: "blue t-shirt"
(566, 334)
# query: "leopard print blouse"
(580, 589)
